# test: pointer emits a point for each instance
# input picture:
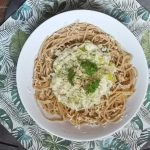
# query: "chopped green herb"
(110, 77)
(71, 74)
(89, 67)
(83, 48)
(92, 86)
(101, 60)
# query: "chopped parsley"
(92, 86)
(83, 48)
(71, 74)
(89, 67)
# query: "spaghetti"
(112, 106)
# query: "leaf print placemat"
(13, 34)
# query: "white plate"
(29, 53)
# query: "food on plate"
(83, 75)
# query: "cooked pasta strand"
(112, 107)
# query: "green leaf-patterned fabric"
(13, 34)
(17, 41)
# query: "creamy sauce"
(85, 86)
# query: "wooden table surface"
(8, 142)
